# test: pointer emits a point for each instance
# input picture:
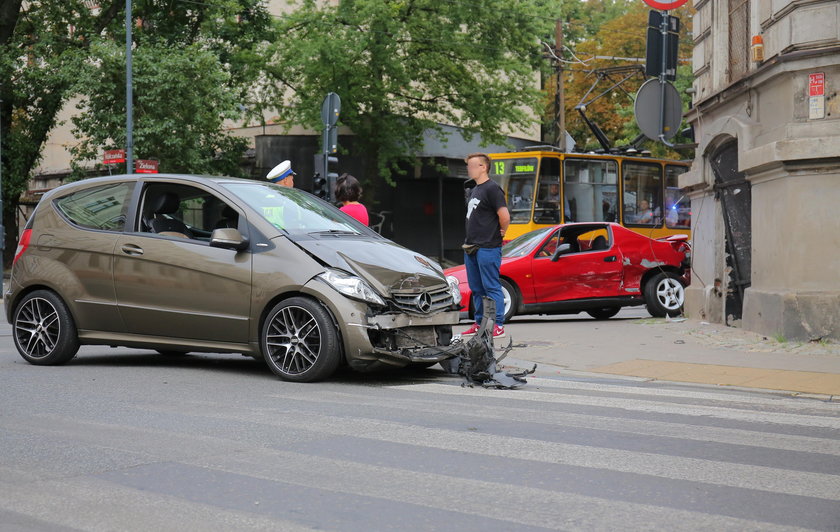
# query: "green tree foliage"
(623, 35)
(40, 45)
(182, 99)
(401, 67)
(195, 65)
(49, 51)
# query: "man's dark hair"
(347, 188)
(483, 156)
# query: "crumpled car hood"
(385, 265)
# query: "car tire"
(664, 295)
(300, 341)
(171, 353)
(603, 313)
(44, 330)
(511, 296)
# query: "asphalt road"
(124, 439)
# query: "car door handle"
(611, 258)
(131, 249)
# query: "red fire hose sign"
(816, 95)
(816, 84)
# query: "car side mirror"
(562, 249)
(228, 238)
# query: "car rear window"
(103, 207)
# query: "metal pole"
(2, 228)
(324, 141)
(440, 216)
(559, 96)
(129, 95)
(662, 78)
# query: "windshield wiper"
(334, 232)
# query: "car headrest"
(600, 242)
(166, 203)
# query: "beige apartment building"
(765, 182)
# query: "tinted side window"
(642, 193)
(591, 190)
(677, 204)
(102, 207)
(547, 210)
(184, 211)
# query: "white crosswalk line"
(519, 505)
(431, 404)
(633, 404)
(825, 486)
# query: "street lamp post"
(2, 228)
(129, 96)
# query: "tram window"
(590, 188)
(517, 178)
(677, 205)
(642, 193)
(547, 209)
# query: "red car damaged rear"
(589, 267)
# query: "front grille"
(417, 301)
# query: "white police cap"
(280, 172)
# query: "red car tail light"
(23, 244)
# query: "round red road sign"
(665, 4)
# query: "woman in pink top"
(348, 191)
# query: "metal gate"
(733, 191)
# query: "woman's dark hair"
(347, 188)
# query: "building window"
(739, 39)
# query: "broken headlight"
(454, 289)
(351, 286)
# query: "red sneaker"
(471, 331)
(498, 331)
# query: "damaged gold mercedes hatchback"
(180, 263)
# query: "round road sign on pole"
(665, 4)
(649, 107)
(330, 109)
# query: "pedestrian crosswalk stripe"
(801, 483)
(637, 405)
(681, 393)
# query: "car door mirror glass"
(562, 249)
(228, 238)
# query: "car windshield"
(293, 210)
(525, 243)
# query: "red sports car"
(595, 268)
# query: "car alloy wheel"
(44, 331)
(300, 341)
(664, 295)
(511, 297)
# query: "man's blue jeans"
(483, 277)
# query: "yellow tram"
(544, 187)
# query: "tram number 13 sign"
(665, 4)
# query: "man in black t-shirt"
(487, 221)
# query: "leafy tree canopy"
(621, 36)
(401, 67)
(185, 50)
(195, 65)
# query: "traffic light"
(319, 186)
(323, 181)
(332, 176)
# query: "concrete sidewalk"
(636, 345)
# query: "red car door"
(588, 271)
